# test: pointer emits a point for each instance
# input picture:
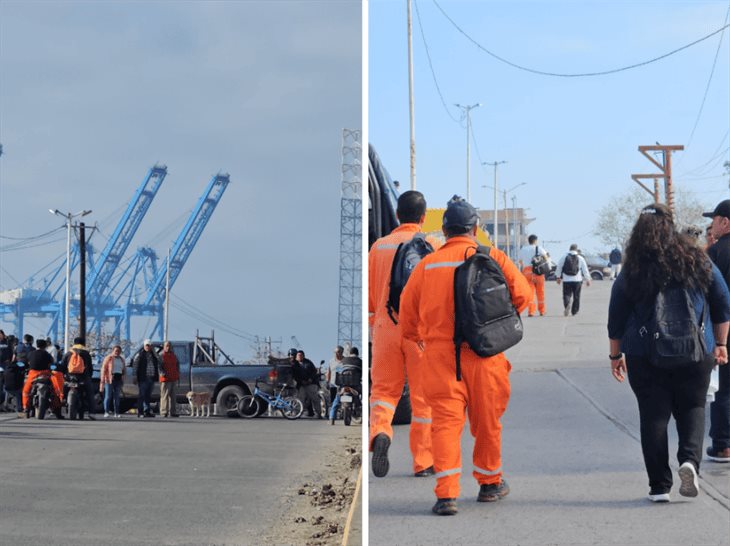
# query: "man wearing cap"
(427, 318)
(395, 359)
(719, 253)
(146, 372)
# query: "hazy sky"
(92, 94)
(572, 140)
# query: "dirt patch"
(316, 508)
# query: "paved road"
(151, 481)
(571, 455)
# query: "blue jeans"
(333, 407)
(720, 411)
(145, 396)
(112, 391)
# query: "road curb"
(351, 513)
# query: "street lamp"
(69, 217)
(496, 230)
(506, 217)
(467, 110)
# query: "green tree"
(617, 217)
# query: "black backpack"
(540, 265)
(484, 315)
(407, 256)
(571, 266)
(674, 336)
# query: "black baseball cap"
(459, 215)
(722, 209)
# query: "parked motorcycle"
(41, 396)
(348, 399)
(75, 397)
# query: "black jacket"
(14, 376)
(305, 373)
(140, 362)
(720, 255)
(40, 360)
(6, 352)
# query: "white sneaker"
(659, 497)
(688, 475)
(117, 415)
(106, 415)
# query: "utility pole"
(410, 97)
(167, 297)
(82, 281)
(514, 229)
(69, 218)
(467, 113)
(666, 172)
(496, 223)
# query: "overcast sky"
(573, 141)
(93, 94)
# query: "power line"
(709, 81)
(430, 65)
(577, 75)
(46, 234)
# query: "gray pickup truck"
(204, 367)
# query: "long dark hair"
(657, 255)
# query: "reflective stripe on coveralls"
(537, 287)
(394, 359)
(427, 314)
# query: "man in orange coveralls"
(395, 359)
(427, 318)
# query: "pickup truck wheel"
(227, 401)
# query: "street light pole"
(410, 98)
(67, 312)
(496, 223)
(467, 112)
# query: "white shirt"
(583, 272)
(527, 253)
(334, 366)
(117, 365)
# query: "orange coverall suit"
(427, 316)
(56, 382)
(537, 287)
(395, 359)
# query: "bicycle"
(251, 405)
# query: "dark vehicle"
(598, 266)
(382, 203)
(204, 367)
(349, 388)
(41, 396)
(76, 402)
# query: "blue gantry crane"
(118, 288)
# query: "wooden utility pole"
(82, 281)
(666, 172)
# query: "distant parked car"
(598, 266)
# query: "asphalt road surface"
(571, 455)
(151, 481)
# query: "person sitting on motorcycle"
(350, 365)
(39, 363)
(83, 378)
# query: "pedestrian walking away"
(427, 317)
(537, 281)
(666, 280)
(169, 376)
(572, 270)
(395, 359)
(719, 252)
(111, 381)
(614, 259)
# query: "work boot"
(445, 507)
(425, 472)
(490, 492)
(380, 463)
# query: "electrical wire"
(47, 233)
(575, 75)
(709, 81)
(430, 64)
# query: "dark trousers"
(720, 411)
(572, 290)
(144, 398)
(662, 393)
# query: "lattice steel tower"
(349, 319)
